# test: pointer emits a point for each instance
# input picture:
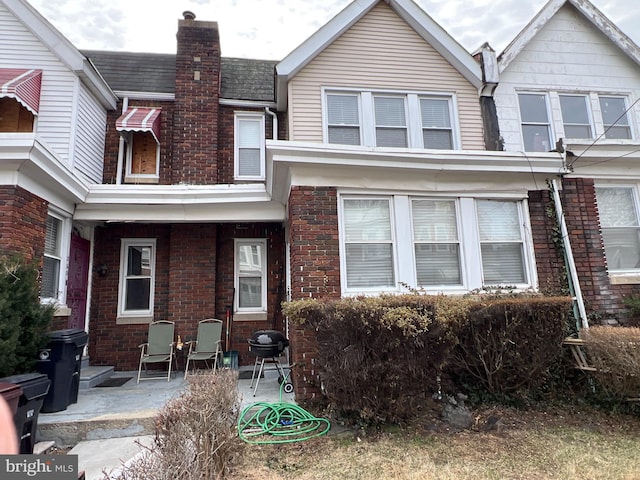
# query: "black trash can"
(34, 388)
(61, 362)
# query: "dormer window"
(19, 99)
(140, 128)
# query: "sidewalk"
(110, 421)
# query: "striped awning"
(140, 119)
(23, 85)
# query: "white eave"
(415, 17)
(585, 8)
(179, 203)
(63, 49)
(286, 159)
(613, 159)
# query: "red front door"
(78, 281)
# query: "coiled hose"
(269, 423)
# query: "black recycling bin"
(61, 362)
(34, 388)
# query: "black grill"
(267, 343)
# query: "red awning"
(140, 119)
(23, 85)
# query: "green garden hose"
(266, 423)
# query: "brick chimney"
(195, 137)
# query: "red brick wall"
(23, 218)
(315, 272)
(195, 127)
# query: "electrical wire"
(264, 423)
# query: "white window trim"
(65, 244)
(128, 154)
(236, 274)
(146, 315)
(468, 238)
(253, 116)
(412, 105)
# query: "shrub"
(380, 356)
(196, 434)
(615, 353)
(23, 319)
(506, 345)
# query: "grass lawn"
(553, 444)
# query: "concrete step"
(90, 376)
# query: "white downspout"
(274, 129)
(125, 105)
(570, 261)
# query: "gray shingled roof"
(242, 79)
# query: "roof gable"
(413, 15)
(62, 48)
(588, 11)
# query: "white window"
(249, 146)
(385, 119)
(52, 265)
(251, 275)
(142, 153)
(439, 244)
(534, 116)
(368, 243)
(501, 242)
(618, 208)
(435, 241)
(575, 116)
(343, 119)
(614, 117)
(137, 277)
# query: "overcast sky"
(270, 29)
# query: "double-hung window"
(343, 119)
(251, 275)
(391, 119)
(614, 117)
(501, 242)
(618, 208)
(534, 116)
(435, 242)
(575, 116)
(249, 146)
(137, 277)
(52, 264)
(368, 243)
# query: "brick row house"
(378, 155)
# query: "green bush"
(23, 319)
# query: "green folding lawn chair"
(158, 349)
(207, 346)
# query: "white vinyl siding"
(90, 137)
(251, 275)
(452, 245)
(249, 146)
(22, 49)
(137, 277)
(618, 208)
(381, 53)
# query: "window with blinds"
(614, 117)
(137, 277)
(435, 242)
(251, 275)
(249, 146)
(343, 119)
(368, 243)
(501, 242)
(52, 258)
(618, 210)
(536, 131)
(436, 123)
(384, 119)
